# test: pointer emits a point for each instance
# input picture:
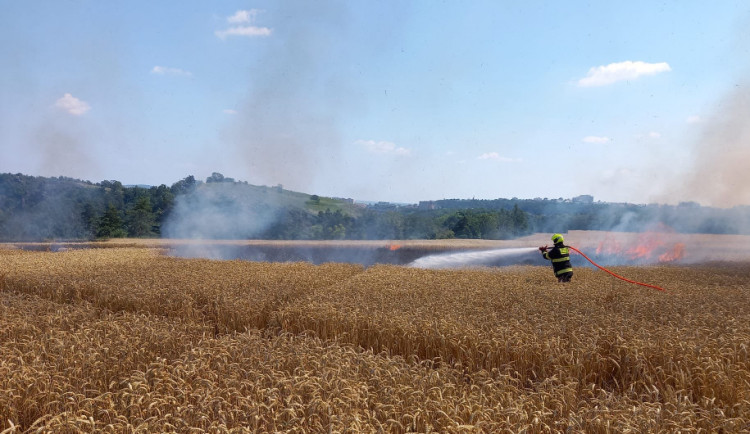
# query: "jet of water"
(480, 258)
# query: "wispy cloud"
(164, 70)
(243, 31)
(494, 156)
(243, 17)
(383, 147)
(72, 105)
(694, 119)
(230, 111)
(614, 72)
(596, 139)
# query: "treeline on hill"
(582, 213)
(401, 223)
(39, 208)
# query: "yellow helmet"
(557, 238)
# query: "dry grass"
(127, 340)
(231, 295)
(595, 332)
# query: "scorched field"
(130, 340)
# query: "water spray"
(508, 256)
(493, 257)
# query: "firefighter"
(560, 257)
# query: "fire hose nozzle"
(543, 249)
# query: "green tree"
(88, 219)
(461, 225)
(110, 224)
(215, 177)
(520, 221)
(141, 219)
(184, 186)
(334, 225)
(162, 201)
(114, 192)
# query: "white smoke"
(222, 210)
(720, 175)
(287, 129)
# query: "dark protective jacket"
(560, 257)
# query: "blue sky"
(635, 101)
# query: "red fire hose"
(616, 275)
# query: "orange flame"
(647, 243)
(677, 252)
(393, 247)
(650, 246)
(610, 246)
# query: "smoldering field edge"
(128, 338)
(605, 247)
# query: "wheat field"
(126, 339)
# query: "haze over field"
(638, 102)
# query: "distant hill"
(39, 208)
(42, 208)
(238, 210)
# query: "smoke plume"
(222, 210)
(720, 175)
(63, 148)
(287, 130)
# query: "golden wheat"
(128, 340)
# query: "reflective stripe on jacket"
(560, 257)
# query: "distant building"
(690, 204)
(584, 198)
(427, 204)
